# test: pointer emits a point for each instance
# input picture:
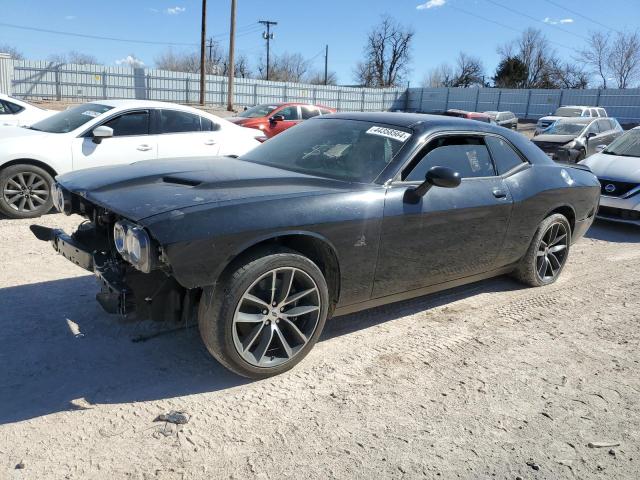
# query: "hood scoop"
(187, 182)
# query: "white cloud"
(70, 17)
(130, 61)
(175, 10)
(152, 10)
(431, 4)
(552, 21)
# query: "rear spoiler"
(580, 166)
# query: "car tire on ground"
(266, 314)
(25, 191)
(547, 255)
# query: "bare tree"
(624, 59)
(566, 75)
(534, 51)
(73, 56)
(12, 51)
(241, 68)
(189, 62)
(440, 76)
(386, 55)
(469, 71)
(317, 78)
(287, 67)
(596, 55)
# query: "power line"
(517, 12)
(582, 16)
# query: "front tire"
(266, 315)
(547, 255)
(25, 191)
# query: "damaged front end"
(134, 276)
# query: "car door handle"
(144, 147)
(210, 142)
(499, 193)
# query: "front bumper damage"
(123, 290)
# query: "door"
(185, 134)
(450, 233)
(291, 115)
(131, 142)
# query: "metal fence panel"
(51, 81)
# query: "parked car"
(618, 169)
(504, 119)
(569, 111)
(274, 118)
(481, 117)
(342, 213)
(573, 139)
(105, 133)
(20, 113)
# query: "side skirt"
(419, 292)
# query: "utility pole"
(203, 61)
(326, 64)
(210, 48)
(268, 36)
(232, 41)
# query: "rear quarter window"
(504, 156)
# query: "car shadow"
(614, 232)
(60, 352)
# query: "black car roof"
(418, 121)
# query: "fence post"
(477, 99)
(104, 85)
(362, 101)
(560, 99)
(255, 93)
(384, 100)
(186, 90)
(446, 102)
(57, 82)
(500, 98)
(315, 95)
(419, 109)
(598, 98)
(284, 92)
(526, 111)
(338, 100)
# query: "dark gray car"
(504, 119)
(573, 139)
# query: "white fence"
(48, 80)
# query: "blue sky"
(443, 27)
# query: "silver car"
(618, 169)
(569, 111)
(573, 139)
(504, 119)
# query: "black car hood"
(142, 189)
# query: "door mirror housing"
(437, 176)
(588, 136)
(101, 132)
(276, 119)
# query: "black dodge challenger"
(341, 213)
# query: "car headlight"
(61, 199)
(571, 144)
(134, 245)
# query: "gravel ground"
(485, 381)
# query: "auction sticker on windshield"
(91, 113)
(391, 133)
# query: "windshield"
(627, 145)
(348, 150)
(70, 119)
(258, 111)
(564, 128)
(568, 112)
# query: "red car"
(273, 118)
(481, 117)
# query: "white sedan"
(106, 133)
(18, 112)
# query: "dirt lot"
(486, 381)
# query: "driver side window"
(289, 113)
(128, 124)
(467, 155)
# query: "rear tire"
(25, 191)
(238, 333)
(547, 255)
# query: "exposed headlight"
(133, 244)
(61, 199)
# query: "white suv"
(569, 111)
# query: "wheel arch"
(310, 244)
(567, 211)
(30, 161)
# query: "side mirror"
(101, 132)
(589, 135)
(276, 119)
(444, 177)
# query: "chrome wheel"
(552, 251)
(26, 192)
(276, 317)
